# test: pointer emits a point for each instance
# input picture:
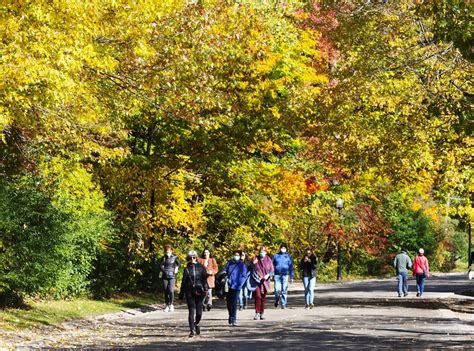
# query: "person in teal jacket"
(283, 264)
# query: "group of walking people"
(242, 279)
(420, 268)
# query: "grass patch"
(48, 312)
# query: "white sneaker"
(171, 308)
(167, 308)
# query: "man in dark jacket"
(237, 276)
(169, 266)
(194, 287)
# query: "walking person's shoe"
(167, 308)
(171, 308)
(240, 308)
(262, 317)
(311, 306)
(257, 316)
(418, 295)
(277, 300)
(405, 294)
(209, 307)
(306, 306)
(234, 324)
(399, 295)
(198, 330)
(192, 334)
(283, 307)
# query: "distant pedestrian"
(169, 266)
(210, 264)
(263, 269)
(245, 295)
(194, 289)
(402, 264)
(283, 264)
(237, 276)
(421, 271)
(308, 267)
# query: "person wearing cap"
(169, 266)
(194, 287)
(237, 276)
(421, 271)
(402, 264)
(283, 264)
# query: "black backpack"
(221, 284)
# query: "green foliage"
(413, 229)
(52, 227)
(33, 231)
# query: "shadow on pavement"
(324, 334)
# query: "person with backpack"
(262, 268)
(237, 276)
(402, 264)
(283, 264)
(169, 266)
(308, 266)
(421, 271)
(210, 264)
(194, 289)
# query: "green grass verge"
(55, 311)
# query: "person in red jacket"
(421, 270)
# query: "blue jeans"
(402, 283)
(232, 298)
(281, 288)
(244, 296)
(420, 283)
(309, 284)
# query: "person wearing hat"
(283, 264)
(421, 271)
(194, 287)
(402, 264)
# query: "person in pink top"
(421, 270)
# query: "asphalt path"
(350, 315)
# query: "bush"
(33, 231)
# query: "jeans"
(281, 288)
(402, 283)
(420, 283)
(168, 286)
(309, 284)
(194, 308)
(244, 296)
(208, 298)
(232, 298)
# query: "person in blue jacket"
(283, 264)
(237, 276)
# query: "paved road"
(353, 315)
